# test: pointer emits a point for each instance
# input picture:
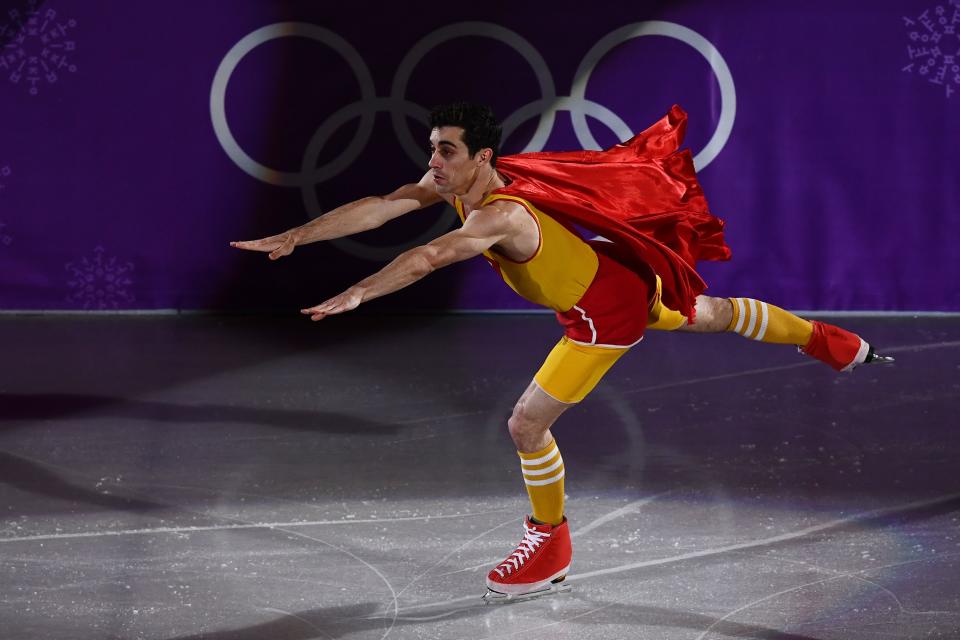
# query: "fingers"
(321, 311)
(278, 245)
(333, 306)
(284, 249)
(263, 244)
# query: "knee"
(524, 429)
(713, 315)
(722, 313)
(519, 423)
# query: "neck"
(486, 180)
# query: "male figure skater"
(518, 212)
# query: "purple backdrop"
(137, 139)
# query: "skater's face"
(454, 169)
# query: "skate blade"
(495, 597)
(876, 358)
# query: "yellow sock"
(543, 474)
(764, 322)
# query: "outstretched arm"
(354, 217)
(483, 229)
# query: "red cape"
(642, 194)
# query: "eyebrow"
(444, 143)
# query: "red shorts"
(613, 311)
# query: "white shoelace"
(532, 539)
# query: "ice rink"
(247, 478)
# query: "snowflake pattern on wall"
(100, 282)
(37, 49)
(5, 172)
(933, 46)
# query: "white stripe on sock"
(545, 470)
(753, 317)
(540, 483)
(763, 322)
(743, 314)
(535, 461)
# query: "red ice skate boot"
(541, 561)
(839, 348)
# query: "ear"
(483, 156)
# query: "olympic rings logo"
(401, 109)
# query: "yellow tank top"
(558, 274)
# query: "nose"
(434, 160)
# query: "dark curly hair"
(480, 128)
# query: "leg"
(543, 557)
(569, 373)
(533, 415)
(765, 322)
(540, 458)
(749, 318)
(712, 315)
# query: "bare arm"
(483, 229)
(354, 217)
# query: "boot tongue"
(539, 526)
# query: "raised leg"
(765, 322)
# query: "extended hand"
(349, 299)
(278, 246)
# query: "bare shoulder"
(499, 216)
(507, 209)
(499, 209)
(517, 215)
